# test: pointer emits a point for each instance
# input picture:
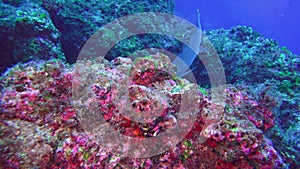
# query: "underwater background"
(273, 19)
(50, 82)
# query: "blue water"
(276, 19)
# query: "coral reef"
(41, 125)
(37, 112)
(27, 33)
(267, 72)
(86, 17)
(43, 29)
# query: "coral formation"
(41, 125)
(27, 33)
(36, 103)
(44, 29)
(270, 75)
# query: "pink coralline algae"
(40, 126)
(257, 112)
